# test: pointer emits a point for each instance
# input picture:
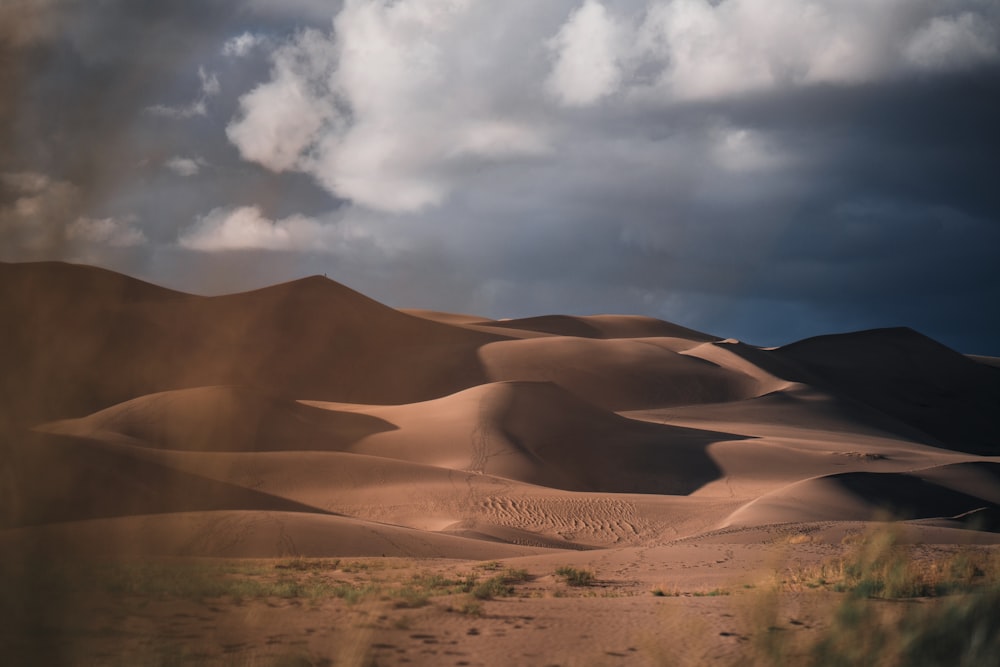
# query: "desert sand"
(307, 426)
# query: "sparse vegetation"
(879, 566)
(952, 619)
(308, 564)
(575, 577)
(662, 592)
(501, 585)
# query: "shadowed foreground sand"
(145, 427)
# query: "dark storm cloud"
(764, 170)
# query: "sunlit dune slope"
(619, 374)
(228, 418)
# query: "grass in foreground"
(897, 609)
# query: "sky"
(765, 170)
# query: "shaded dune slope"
(897, 380)
(60, 478)
(938, 492)
(911, 378)
(75, 351)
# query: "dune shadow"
(63, 478)
(900, 381)
(908, 496)
(580, 447)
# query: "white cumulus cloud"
(245, 227)
(586, 67)
(282, 119)
(392, 107)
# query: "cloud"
(710, 50)
(34, 220)
(183, 166)
(209, 82)
(586, 69)
(953, 42)
(388, 109)
(282, 120)
(245, 228)
(105, 231)
(241, 45)
(43, 215)
(25, 183)
(403, 102)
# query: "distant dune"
(307, 419)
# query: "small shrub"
(493, 587)
(500, 585)
(715, 592)
(575, 577)
(410, 598)
(471, 608)
(516, 576)
(490, 565)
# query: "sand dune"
(864, 496)
(438, 431)
(222, 419)
(58, 479)
(539, 433)
(622, 374)
(311, 338)
(602, 326)
(911, 378)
